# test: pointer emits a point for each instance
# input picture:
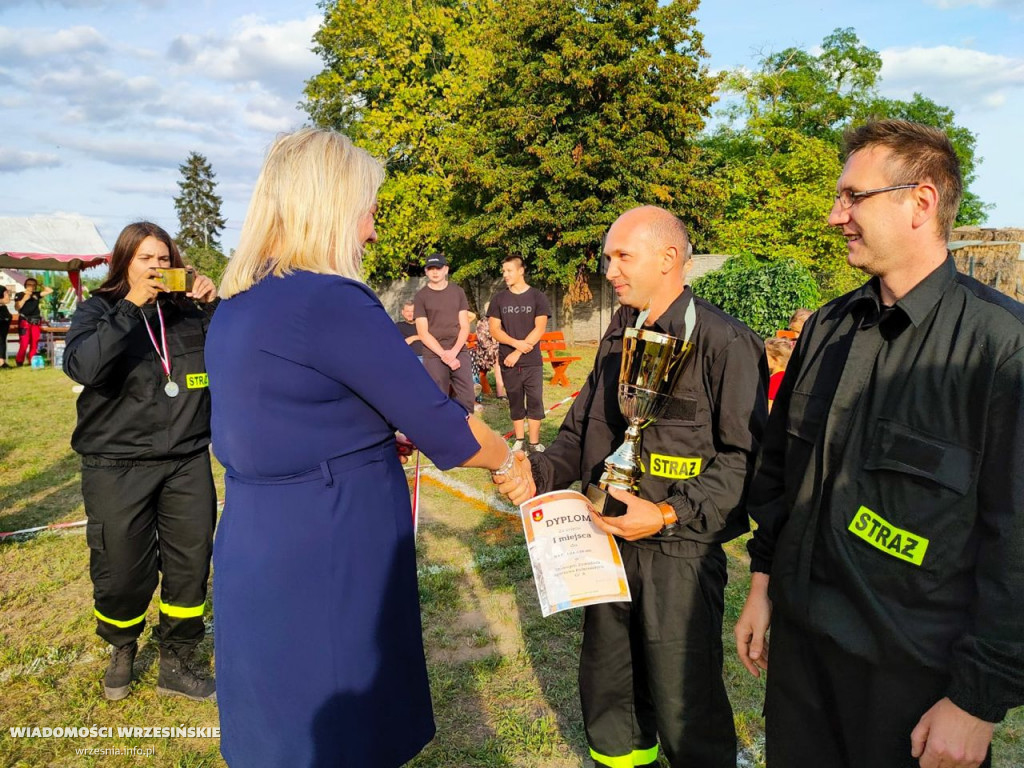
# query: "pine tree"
(198, 206)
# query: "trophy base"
(605, 505)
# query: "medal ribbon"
(165, 358)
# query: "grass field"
(503, 678)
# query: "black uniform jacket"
(699, 455)
(123, 412)
(889, 493)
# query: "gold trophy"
(651, 364)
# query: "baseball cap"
(436, 260)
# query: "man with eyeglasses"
(889, 492)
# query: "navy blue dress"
(318, 642)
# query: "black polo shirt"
(705, 441)
(889, 493)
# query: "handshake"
(515, 478)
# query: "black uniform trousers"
(826, 708)
(147, 518)
(459, 383)
(651, 670)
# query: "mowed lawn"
(503, 678)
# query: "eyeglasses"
(847, 198)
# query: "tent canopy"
(62, 243)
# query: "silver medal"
(171, 389)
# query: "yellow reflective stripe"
(638, 757)
(675, 467)
(116, 623)
(884, 536)
(182, 612)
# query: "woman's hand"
(146, 288)
(203, 290)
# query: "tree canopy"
(198, 205)
(527, 126)
(778, 155)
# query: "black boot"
(118, 678)
(176, 679)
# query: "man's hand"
(512, 358)
(642, 518)
(517, 485)
(455, 364)
(447, 357)
(948, 737)
(203, 290)
(752, 626)
(523, 346)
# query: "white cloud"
(956, 77)
(278, 56)
(21, 47)
(75, 4)
(150, 155)
(12, 160)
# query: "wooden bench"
(551, 342)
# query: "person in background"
(5, 325)
(407, 326)
(485, 356)
(797, 320)
(518, 318)
(30, 319)
(888, 558)
(442, 322)
(144, 433)
(778, 352)
(319, 646)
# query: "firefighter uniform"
(146, 478)
(651, 669)
(890, 509)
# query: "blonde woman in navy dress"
(319, 649)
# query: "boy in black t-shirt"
(518, 318)
(442, 323)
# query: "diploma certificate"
(574, 562)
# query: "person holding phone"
(144, 433)
(30, 319)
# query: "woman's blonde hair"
(312, 192)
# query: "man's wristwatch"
(668, 512)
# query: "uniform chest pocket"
(186, 343)
(805, 418)
(900, 448)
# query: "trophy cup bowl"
(651, 364)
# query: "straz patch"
(674, 467)
(197, 381)
(882, 535)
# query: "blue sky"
(103, 99)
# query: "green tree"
(398, 76)
(779, 153)
(591, 107)
(198, 205)
(206, 261)
(761, 294)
